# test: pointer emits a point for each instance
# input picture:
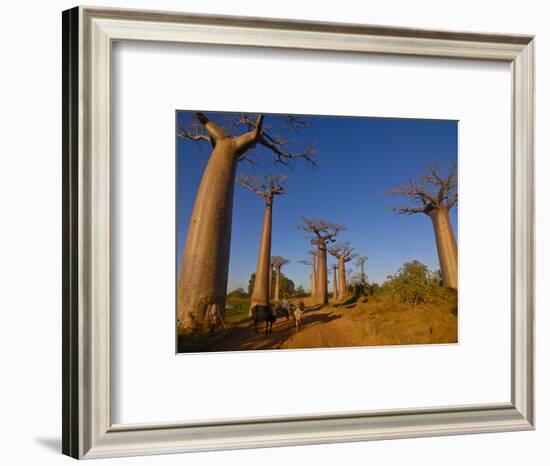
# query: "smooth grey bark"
(335, 282)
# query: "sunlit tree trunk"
(313, 276)
(267, 187)
(434, 194)
(322, 232)
(202, 285)
(203, 278)
(334, 283)
(277, 283)
(363, 283)
(261, 292)
(277, 262)
(342, 275)
(321, 294)
(446, 246)
(270, 280)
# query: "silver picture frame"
(88, 37)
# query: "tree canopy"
(278, 261)
(265, 186)
(237, 293)
(321, 230)
(252, 134)
(343, 250)
(430, 191)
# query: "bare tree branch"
(428, 192)
(344, 250)
(360, 260)
(194, 137)
(214, 131)
(256, 133)
(265, 186)
(402, 209)
(414, 190)
(249, 139)
(452, 201)
(322, 230)
(286, 158)
(279, 261)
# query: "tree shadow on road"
(349, 302)
(246, 339)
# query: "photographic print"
(302, 232)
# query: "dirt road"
(320, 329)
(344, 325)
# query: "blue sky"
(359, 159)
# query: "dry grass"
(352, 322)
(387, 323)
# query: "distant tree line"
(287, 286)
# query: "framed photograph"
(285, 232)
(322, 293)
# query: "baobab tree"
(435, 194)
(267, 187)
(335, 281)
(310, 263)
(350, 282)
(205, 263)
(278, 262)
(360, 263)
(313, 255)
(313, 264)
(323, 232)
(270, 292)
(344, 253)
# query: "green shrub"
(286, 284)
(415, 283)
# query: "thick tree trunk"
(261, 292)
(321, 294)
(362, 274)
(313, 277)
(334, 283)
(277, 283)
(205, 263)
(446, 246)
(342, 274)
